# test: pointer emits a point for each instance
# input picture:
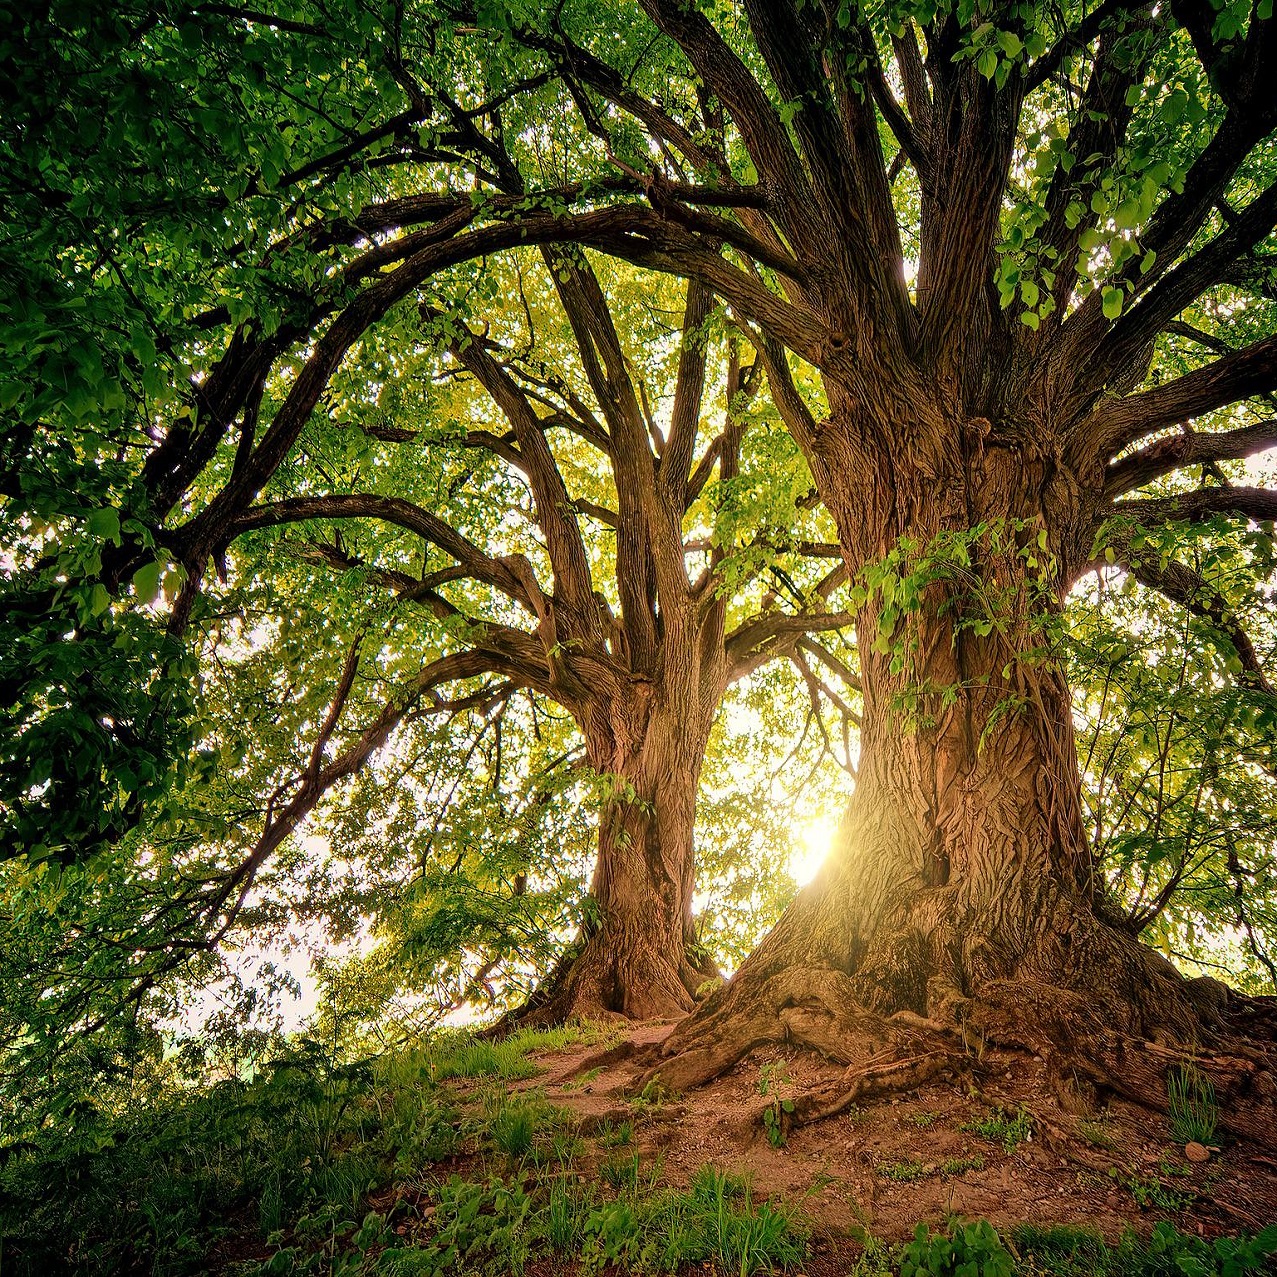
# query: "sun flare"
(815, 839)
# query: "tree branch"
(1189, 448)
(1193, 592)
(513, 579)
(1258, 504)
(1118, 422)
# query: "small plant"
(1095, 1133)
(772, 1078)
(583, 1080)
(1149, 1192)
(968, 1250)
(481, 1228)
(957, 1165)
(1080, 1252)
(908, 1171)
(1000, 1127)
(614, 1235)
(1224, 1257)
(617, 1136)
(922, 1120)
(876, 1260)
(620, 1172)
(514, 1129)
(1194, 1111)
(653, 1095)
(1061, 1249)
(774, 1120)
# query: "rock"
(1196, 1152)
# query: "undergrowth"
(380, 1168)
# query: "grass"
(1095, 1133)
(910, 1171)
(1193, 1109)
(461, 1055)
(616, 1136)
(907, 1171)
(582, 1080)
(375, 1168)
(156, 1186)
(1082, 1252)
(1149, 1192)
(1001, 1127)
(922, 1120)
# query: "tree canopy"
(390, 387)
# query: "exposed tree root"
(1091, 1047)
(599, 979)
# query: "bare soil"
(885, 1167)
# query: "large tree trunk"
(961, 898)
(637, 954)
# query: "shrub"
(968, 1250)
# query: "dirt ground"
(884, 1168)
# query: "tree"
(985, 232)
(987, 338)
(583, 430)
(643, 685)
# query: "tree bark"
(961, 899)
(637, 954)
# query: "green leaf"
(104, 523)
(146, 581)
(1112, 302)
(1011, 43)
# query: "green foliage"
(480, 1228)
(902, 1172)
(1000, 1127)
(1193, 1109)
(1074, 1252)
(1169, 743)
(967, 1250)
(1151, 1192)
(714, 1220)
(160, 1180)
(773, 1080)
(514, 1129)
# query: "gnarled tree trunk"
(961, 897)
(637, 954)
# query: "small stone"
(1196, 1152)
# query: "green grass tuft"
(1193, 1108)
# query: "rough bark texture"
(960, 901)
(644, 684)
(638, 955)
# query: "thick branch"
(1259, 504)
(1118, 422)
(1193, 592)
(1189, 448)
(511, 578)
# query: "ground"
(919, 1157)
(554, 1153)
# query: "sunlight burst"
(813, 842)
